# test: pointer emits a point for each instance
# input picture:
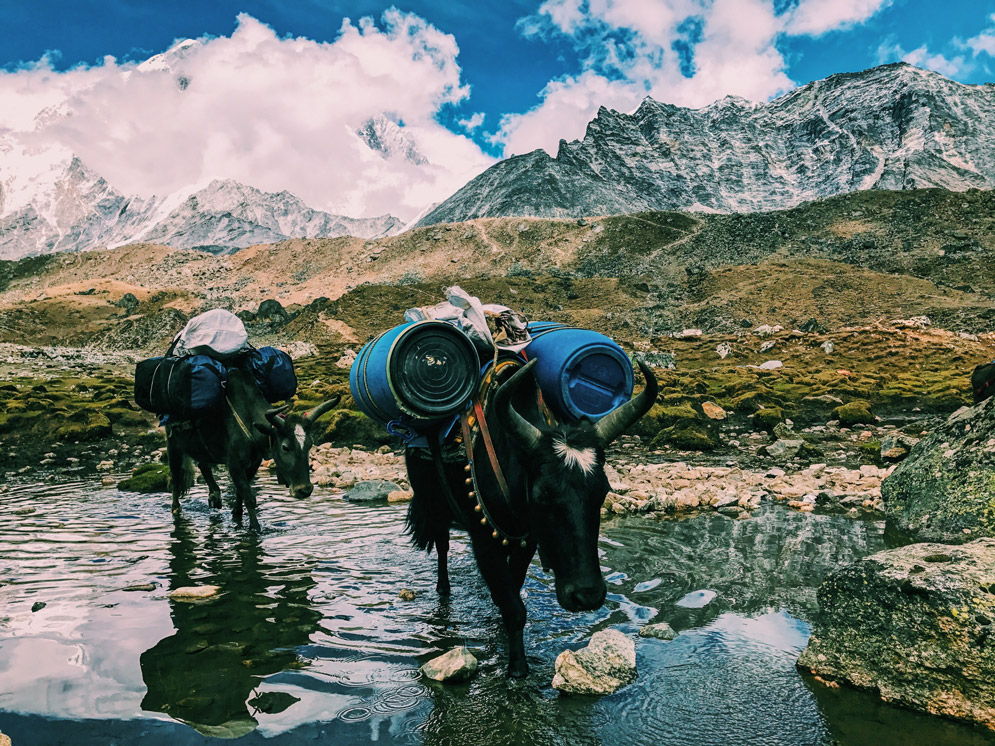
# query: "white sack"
(216, 332)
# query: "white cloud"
(891, 51)
(815, 17)
(983, 43)
(276, 113)
(472, 123)
(734, 53)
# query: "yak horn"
(520, 428)
(273, 416)
(619, 420)
(315, 413)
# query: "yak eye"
(285, 447)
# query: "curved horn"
(321, 409)
(273, 416)
(527, 434)
(618, 421)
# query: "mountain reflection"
(205, 673)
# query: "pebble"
(194, 592)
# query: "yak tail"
(186, 474)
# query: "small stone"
(38, 606)
(456, 665)
(140, 587)
(406, 594)
(713, 411)
(606, 665)
(371, 490)
(400, 496)
(194, 592)
(660, 630)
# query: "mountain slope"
(891, 127)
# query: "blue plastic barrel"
(581, 373)
(415, 375)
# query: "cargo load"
(415, 376)
(580, 372)
(273, 371)
(218, 333)
(189, 387)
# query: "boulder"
(194, 592)
(660, 630)
(942, 491)
(373, 489)
(895, 446)
(713, 411)
(784, 448)
(914, 625)
(456, 665)
(854, 413)
(606, 665)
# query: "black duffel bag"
(983, 381)
(273, 370)
(185, 387)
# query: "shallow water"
(309, 641)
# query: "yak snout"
(301, 491)
(573, 597)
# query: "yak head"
(290, 441)
(566, 487)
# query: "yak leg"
(214, 491)
(492, 559)
(243, 494)
(177, 472)
(442, 552)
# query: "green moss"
(854, 413)
(128, 417)
(767, 418)
(147, 478)
(83, 426)
(687, 436)
(348, 428)
(870, 450)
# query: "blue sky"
(496, 78)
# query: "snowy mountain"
(51, 201)
(386, 138)
(891, 127)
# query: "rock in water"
(194, 592)
(660, 630)
(942, 491)
(606, 665)
(456, 665)
(4, 740)
(374, 489)
(913, 623)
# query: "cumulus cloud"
(815, 17)
(891, 51)
(685, 52)
(472, 123)
(275, 113)
(983, 43)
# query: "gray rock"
(606, 665)
(942, 491)
(913, 624)
(895, 446)
(784, 448)
(653, 359)
(456, 665)
(660, 630)
(373, 489)
(723, 350)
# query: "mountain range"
(892, 127)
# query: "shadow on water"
(205, 672)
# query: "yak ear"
(267, 430)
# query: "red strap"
(489, 446)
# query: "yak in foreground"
(248, 431)
(554, 487)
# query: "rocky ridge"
(890, 127)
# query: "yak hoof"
(214, 499)
(518, 669)
(443, 590)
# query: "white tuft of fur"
(583, 458)
(299, 434)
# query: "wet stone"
(456, 665)
(660, 631)
(194, 592)
(369, 491)
(603, 667)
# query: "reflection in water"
(204, 673)
(309, 642)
